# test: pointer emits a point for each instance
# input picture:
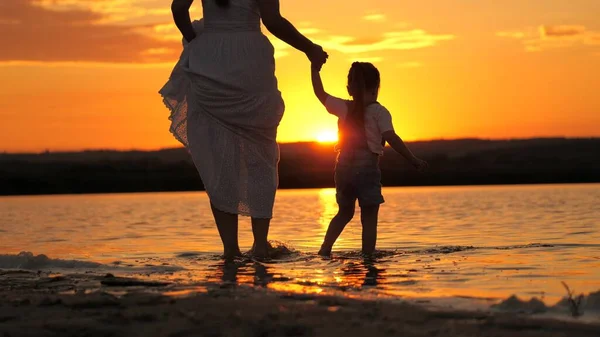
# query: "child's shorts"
(362, 183)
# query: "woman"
(226, 107)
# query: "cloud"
(561, 31)
(544, 37)
(62, 64)
(361, 41)
(281, 48)
(309, 31)
(400, 40)
(36, 33)
(593, 39)
(9, 22)
(374, 17)
(356, 46)
(164, 31)
(90, 31)
(112, 11)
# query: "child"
(364, 127)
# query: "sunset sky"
(84, 74)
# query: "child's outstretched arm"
(398, 145)
(317, 83)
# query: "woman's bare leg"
(260, 230)
(227, 224)
(368, 218)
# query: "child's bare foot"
(368, 256)
(325, 252)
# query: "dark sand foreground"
(34, 304)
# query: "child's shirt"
(377, 120)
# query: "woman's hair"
(363, 76)
(222, 3)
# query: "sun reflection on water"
(329, 209)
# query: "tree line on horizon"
(307, 165)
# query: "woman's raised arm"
(284, 30)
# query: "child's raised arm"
(317, 84)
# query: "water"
(481, 242)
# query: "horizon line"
(48, 151)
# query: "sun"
(327, 137)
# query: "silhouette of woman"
(226, 107)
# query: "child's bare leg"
(368, 218)
(337, 225)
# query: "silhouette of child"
(364, 126)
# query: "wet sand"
(39, 304)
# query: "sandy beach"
(40, 304)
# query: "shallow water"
(483, 242)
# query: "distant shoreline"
(466, 162)
(323, 144)
(303, 189)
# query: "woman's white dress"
(225, 108)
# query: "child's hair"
(222, 3)
(363, 76)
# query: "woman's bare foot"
(260, 231)
(230, 256)
(261, 252)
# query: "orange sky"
(81, 74)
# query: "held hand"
(317, 56)
(316, 67)
(419, 164)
